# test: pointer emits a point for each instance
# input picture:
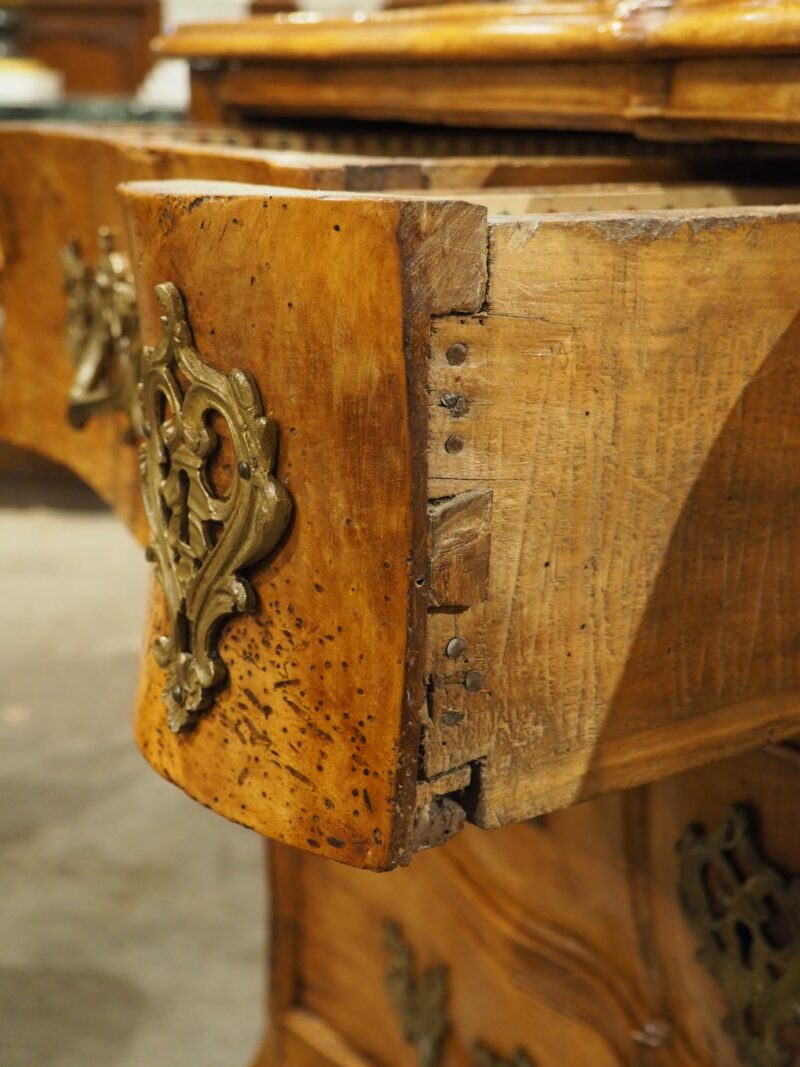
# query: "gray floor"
(131, 919)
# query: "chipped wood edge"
(446, 269)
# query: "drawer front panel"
(314, 738)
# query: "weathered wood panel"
(631, 398)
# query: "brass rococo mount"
(420, 1002)
(102, 332)
(745, 913)
(201, 539)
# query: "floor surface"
(131, 918)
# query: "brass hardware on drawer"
(201, 540)
(102, 334)
(484, 1057)
(746, 915)
(419, 999)
(420, 1004)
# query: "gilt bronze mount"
(201, 539)
(419, 998)
(746, 916)
(420, 1002)
(102, 332)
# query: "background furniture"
(100, 46)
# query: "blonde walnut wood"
(563, 937)
(501, 32)
(624, 390)
(56, 182)
(641, 601)
(677, 70)
(314, 742)
(641, 615)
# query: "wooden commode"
(465, 454)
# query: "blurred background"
(90, 59)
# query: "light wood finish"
(502, 32)
(58, 181)
(631, 396)
(627, 467)
(84, 165)
(750, 98)
(563, 937)
(315, 741)
(685, 69)
(569, 437)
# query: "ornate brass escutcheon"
(484, 1057)
(746, 915)
(102, 334)
(201, 538)
(419, 999)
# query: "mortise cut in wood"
(460, 542)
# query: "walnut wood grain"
(56, 182)
(683, 69)
(501, 32)
(623, 390)
(563, 937)
(631, 392)
(315, 740)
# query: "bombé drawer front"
(71, 329)
(459, 517)
(656, 926)
(70, 314)
(285, 338)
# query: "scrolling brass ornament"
(419, 999)
(102, 334)
(746, 915)
(201, 540)
(484, 1057)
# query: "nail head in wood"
(457, 405)
(473, 681)
(456, 354)
(456, 647)
(452, 717)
